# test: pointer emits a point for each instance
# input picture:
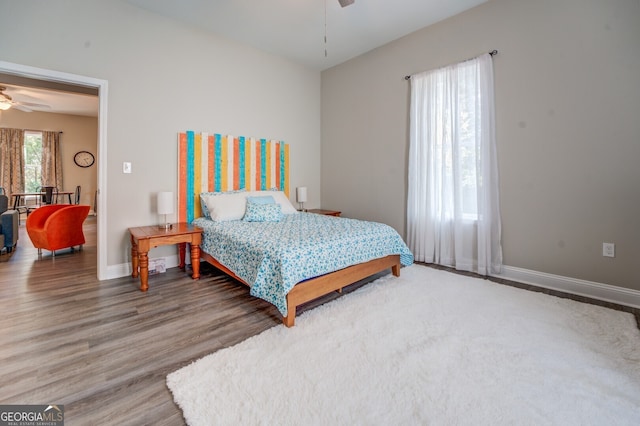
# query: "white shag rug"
(430, 347)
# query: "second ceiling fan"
(7, 102)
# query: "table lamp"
(301, 196)
(165, 207)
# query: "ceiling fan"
(7, 102)
(343, 3)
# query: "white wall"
(165, 77)
(568, 133)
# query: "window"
(453, 214)
(32, 161)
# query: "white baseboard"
(124, 269)
(118, 271)
(594, 290)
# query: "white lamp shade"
(301, 194)
(165, 203)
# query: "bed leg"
(395, 270)
(290, 319)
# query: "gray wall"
(165, 77)
(568, 129)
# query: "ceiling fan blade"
(21, 108)
(344, 3)
(33, 105)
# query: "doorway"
(80, 82)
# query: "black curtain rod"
(31, 130)
(492, 53)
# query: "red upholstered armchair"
(57, 226)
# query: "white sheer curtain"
(453, 215)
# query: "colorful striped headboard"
(214, 163)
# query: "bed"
(257, 237)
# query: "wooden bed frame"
(313, 288)
(219, 163)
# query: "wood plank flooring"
(103, 349)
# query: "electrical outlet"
(126, 167)
(609, 249)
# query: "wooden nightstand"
(325, 212)
(145, 238)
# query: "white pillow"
(204, 195)
(279, 196)
(224, 207)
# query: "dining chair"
(49, 194)
(77, 195)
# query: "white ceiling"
(295, 29)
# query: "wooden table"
(145, 238)
(18, 195)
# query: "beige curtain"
(11, 160)
(51, 160)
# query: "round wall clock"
(84, 159)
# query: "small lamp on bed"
(301, 196)
(165, 207)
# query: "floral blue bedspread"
(273, 256)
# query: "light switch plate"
(126, 167)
